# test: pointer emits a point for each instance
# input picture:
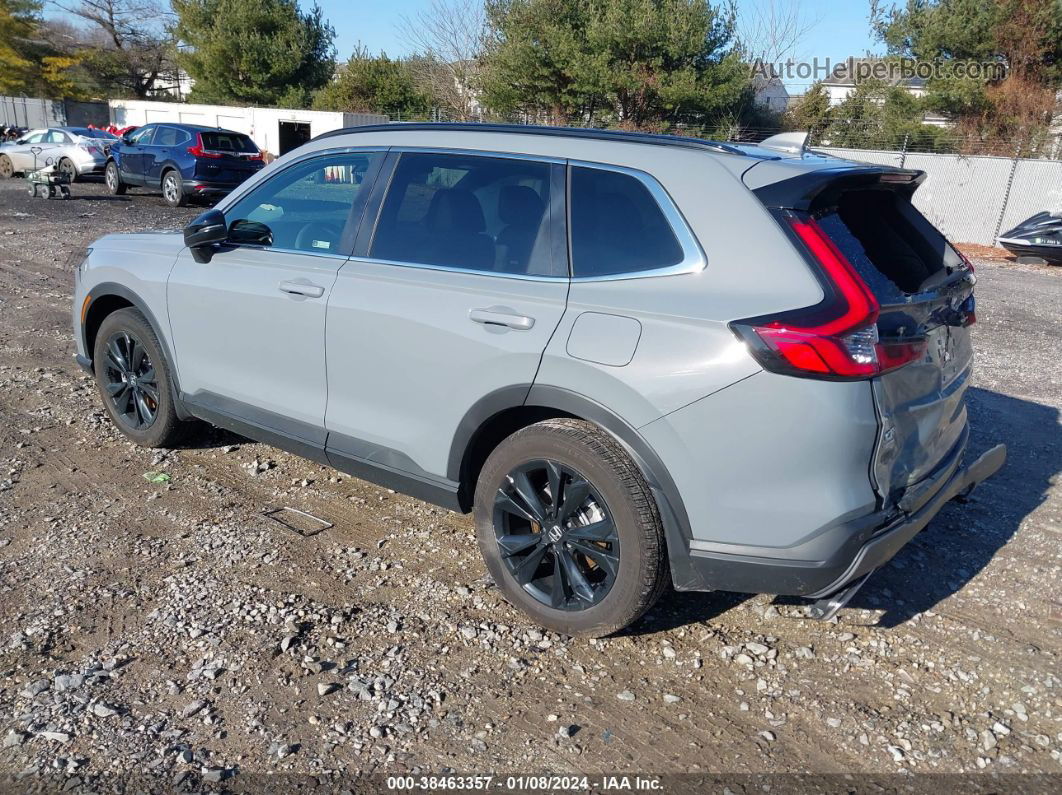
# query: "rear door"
(452, 296)
(166, 147)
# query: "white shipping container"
(275, 130)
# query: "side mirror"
(204, 233)
(250, 233)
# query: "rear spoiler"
(823, 184)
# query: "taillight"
(255, 156)
(836, 339)
(198, 150)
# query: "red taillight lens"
(256, 156)
(198, 150)
(838, 340)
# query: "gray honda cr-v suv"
(637, 359)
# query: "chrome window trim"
(693, 257)
(523, 277)
(693, 260)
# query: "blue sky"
(841, 28)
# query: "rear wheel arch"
(502, 413)
(167, 169)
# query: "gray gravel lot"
(171, 631)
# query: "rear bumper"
(199, 187)
(861, 545)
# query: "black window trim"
(693, 257)
(357, 207)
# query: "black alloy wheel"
(556, 535)
(130, 381)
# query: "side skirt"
(438, 492)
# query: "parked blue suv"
(183, 160)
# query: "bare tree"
(127, 43)
(771, 31)
(447, 38)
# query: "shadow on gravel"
(677, 609)
(963, 538)
(207, 437)
(74, 196)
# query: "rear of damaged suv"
(861, 427)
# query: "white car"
(76, 151)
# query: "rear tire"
(113, 179)
(173, 189)
(613, 541)
(133, 378)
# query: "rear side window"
(472, 212)
(617, 226)
(228, 142)
(171, 136)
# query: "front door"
(249, 326)
(455, 297)
(131, 159)
(22, 154)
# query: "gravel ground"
(172, 631)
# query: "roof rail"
(558, 132)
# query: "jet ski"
(1039, 236)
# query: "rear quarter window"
(617, 226)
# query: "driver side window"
(305, 207)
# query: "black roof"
(556, 132)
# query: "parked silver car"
(637, 359)
(76, 151)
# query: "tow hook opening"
(828, 606)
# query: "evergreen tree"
(642, 63)
(373, 84)
(260, 52)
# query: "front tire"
(173, 190)
(133, 378)
(569, 528)
(113, 179)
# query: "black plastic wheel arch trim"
(104, 289)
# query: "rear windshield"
(228, 142)
(894, 248)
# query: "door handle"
(301, 288)
(501, 316)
